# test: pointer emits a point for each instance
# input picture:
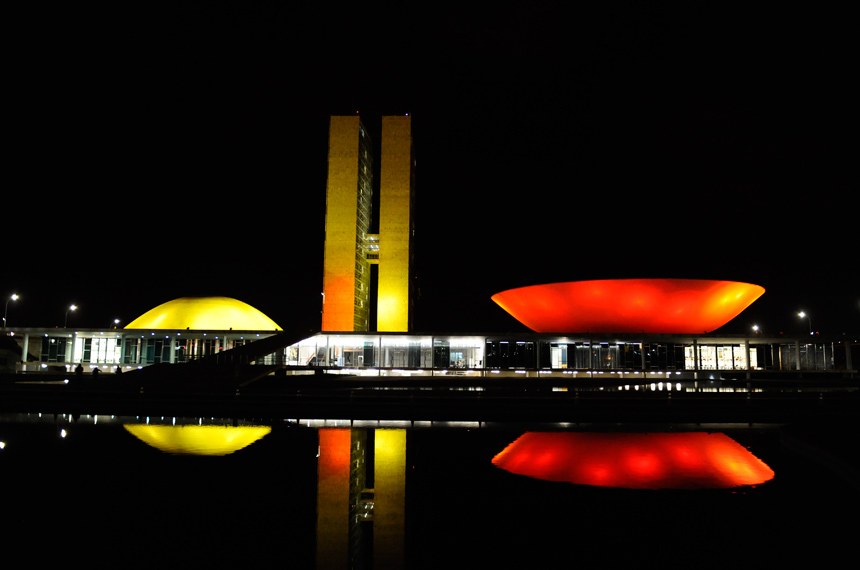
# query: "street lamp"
(756, 329)
(71, 308)
(806, 316)
(12, 297)
(116, 323)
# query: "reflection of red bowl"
(686, 460)
(663, 306)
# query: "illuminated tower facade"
(350, 249)
(349, 205)
(393, 296)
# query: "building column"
(26, 350)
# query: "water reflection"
(361, 498)
(349, 496)
(197, 439)
(690, 460)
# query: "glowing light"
(661, 306)
(12, 297)
(72, 308)
(804, 315)
(204, 313)
(686, 460)
(334, 450)
(197, 439)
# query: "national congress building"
(367, 306)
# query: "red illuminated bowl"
(661, 306)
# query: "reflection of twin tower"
(351, 251)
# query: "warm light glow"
(346, 221)
(333, 497)
(334, 450)
(204, 313)
(656, 306)
(687, 460)
(389, 513)
(197, 440)
(392, 313)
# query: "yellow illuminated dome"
(204, 313)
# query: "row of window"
(362, 351)
(133, 351)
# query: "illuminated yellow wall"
(349, 191)
(389, 512)
(395, 225)
(343, 290)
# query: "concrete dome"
(205, 313)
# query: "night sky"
(162, 150)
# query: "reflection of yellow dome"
(204, 313)
(197, 440)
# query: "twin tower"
(368, 276)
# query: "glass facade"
(402, 354)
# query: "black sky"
(160, 150)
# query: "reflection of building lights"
(634, 460)
(197, 439)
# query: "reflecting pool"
(129, 492)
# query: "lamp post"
(72, 308)
(756, 329)
(12, 297)
(806, 316)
